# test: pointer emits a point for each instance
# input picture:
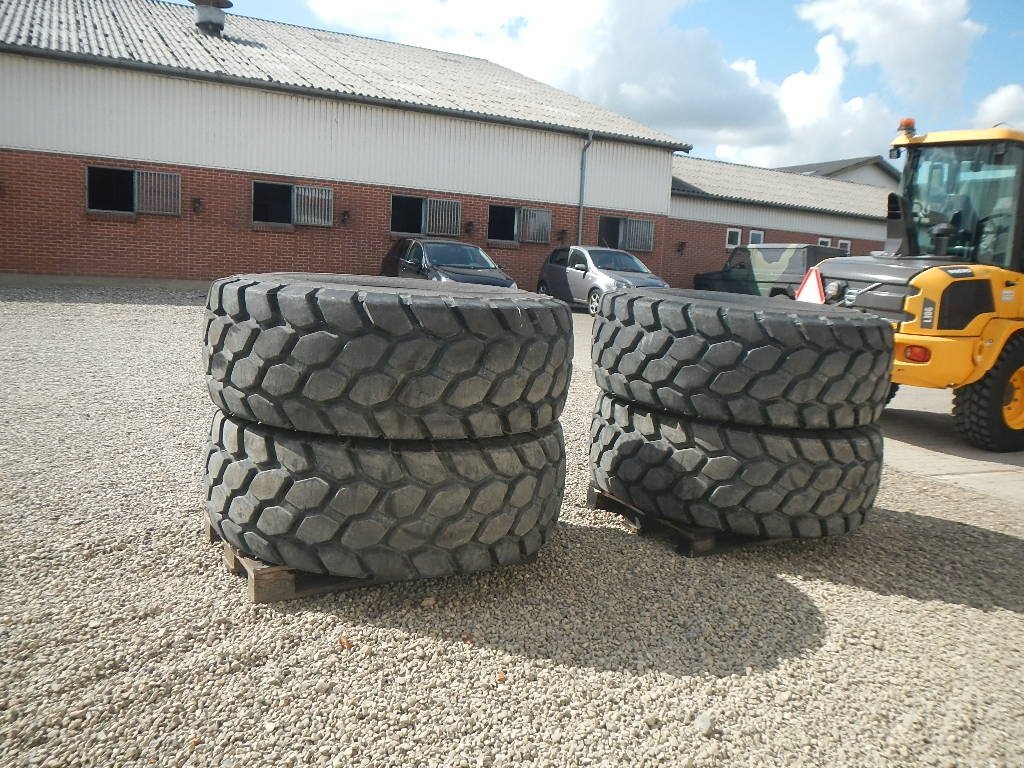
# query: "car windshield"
(458, 255)
(617, 261)
(963, 201)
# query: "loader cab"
(961, 201)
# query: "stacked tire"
(741, 414)
(384, 429)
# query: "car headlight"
(441, 278)
(833, 290)
(514, 285)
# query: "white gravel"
(125, 642)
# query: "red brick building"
(134, 143)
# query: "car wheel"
(594, 302)
(382, 357)
(543, 290)
(753, 481)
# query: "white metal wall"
(760, 217)
(101, 111)
(870, 174)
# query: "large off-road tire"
(743, 359)
(745, 480)
(380, 510)
(989, 414)
(386, 357)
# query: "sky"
(761, 82)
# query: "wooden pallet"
(268, 583)
(689, 540)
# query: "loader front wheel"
(989, 413)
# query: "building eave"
(781, 206)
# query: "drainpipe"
(583, 186)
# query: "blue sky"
(763, 82)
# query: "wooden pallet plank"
(269, 583)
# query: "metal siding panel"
(628, 178)
(108, 112)
(758, 217)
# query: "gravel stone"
(126, 643)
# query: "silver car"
(582, 274)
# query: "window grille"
(313, 206)
(443, 217)
(157, 192)
(534, 225)
(636, 235)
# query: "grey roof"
(832, 167)
(697, 177)
(162, 36)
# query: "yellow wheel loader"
(951, 277)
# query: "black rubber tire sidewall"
(978, 407)
(743, 359)
(392, 358)
(380, 510)
(744, 480)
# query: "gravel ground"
(126, 643)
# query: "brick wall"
(45, 229)
(705, 249)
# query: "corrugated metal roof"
(833, 167)
(162, 36)
(697, 177)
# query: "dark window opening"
(406, 214)
(608, 232)
(501, 223)
(631, 234)
(272, 203)
(111, 189)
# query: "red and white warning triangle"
(811, 290)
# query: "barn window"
(501, 222)
(129, 191)
(844, 245)
(534, 225)
(292, 204)
(756, 237)
(733, 237)
(418, 215)
(525, 225)
(825, 241)
(631, 234)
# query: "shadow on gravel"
(605, 599)
(935, 432)
(102, 294)
(915, 556)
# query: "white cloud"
(678, 80)
(1004, 105)
(821, 126)
(634, 60)
(922, 46)
(544, 40)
